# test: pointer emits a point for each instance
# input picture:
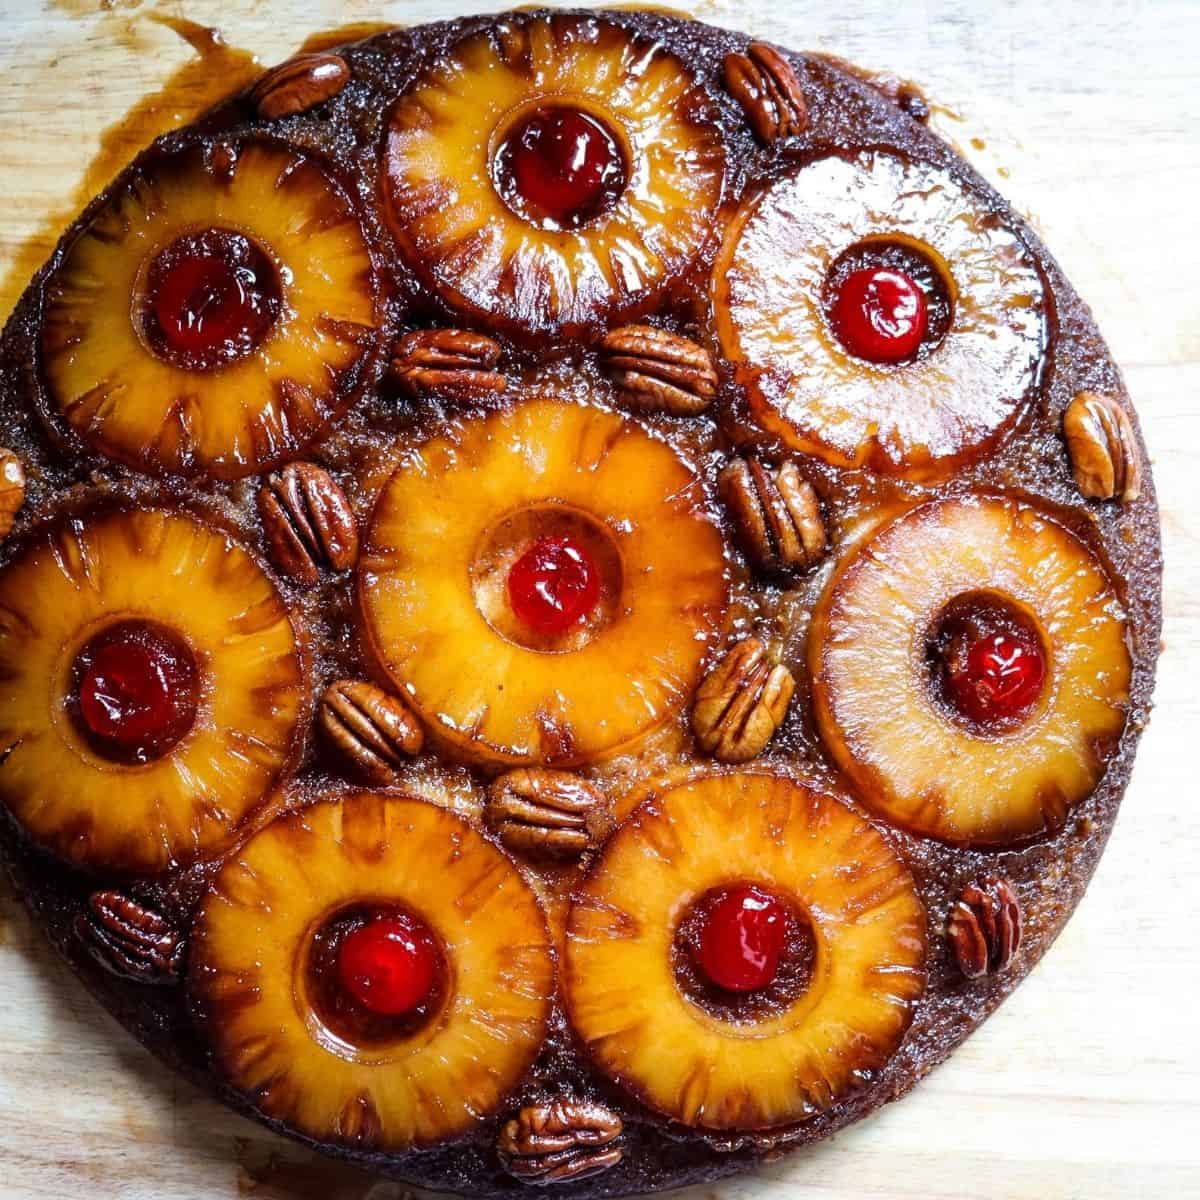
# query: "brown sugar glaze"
(1051, 873)
(193, 87)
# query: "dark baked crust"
(846, 113)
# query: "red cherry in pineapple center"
(558, 168)
(211, 298)
(880, 314)
(996, 676)
(389, 965)
(553, 585)
(136, 691)
(742, 939)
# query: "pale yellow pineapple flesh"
(89, 573)
(124, 400)
(486, 259)
(879, 715)
(476, 685)
(645, 1033)
(264, 906)
(919, 418)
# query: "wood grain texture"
(1086, 1083)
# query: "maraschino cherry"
(559, 168)
(211, 298)
(136, 690)
(997, 676)
(389, 965)
(553, 585)
(880, 314)
(742, 939)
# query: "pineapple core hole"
(889, 300)
(987, 662)
(744, 952)
(207, 300)
(548, 578)
(558, 165)
(371, 974)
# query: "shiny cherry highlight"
(210, 298)
(553, 585)
(136, 691)
(389, 965)
(880, 314)
(742, 939)
(996, 677)
(559, 168)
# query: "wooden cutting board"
(1086, 1083)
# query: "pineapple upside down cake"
(576, 601)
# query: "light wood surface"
(1086, 1083)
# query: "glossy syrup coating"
(469, 575)
(209, 299)
(361, 447)
(389, 965)
(146, 654)
(554, 584)
(134, 691)
(880, 315)
(214, 316)
(256, 973)
(837, 385)
(559, 168)
(991, 665)
(911, 701)
(485, 207)
(742, 939)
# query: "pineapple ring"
(880, 717)
(90, 573)
(482, 257)
(261, 912)
(124, 400)
(867, 922)
(427, 605)
(918, 419)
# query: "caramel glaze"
(1050, 873)
(185, 94)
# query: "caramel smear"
(355, 31)
(216, 71)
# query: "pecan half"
(130, 940)
(985, 927)
(308, 522)
(545, 813)
(12, 490)
(659, 371)
(561, 1141)
(763, 83)
(372, 729)
(454, 360)
(1103, 449)
(299, 84)
(741, 703)
(777, 514)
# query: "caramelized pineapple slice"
(327, 1028)
(946, 382)
(216, 315)
(543, 583)
(152, 688)
(552, 173)
(698, 1059)
(971, 670)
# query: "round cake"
(577, 597)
